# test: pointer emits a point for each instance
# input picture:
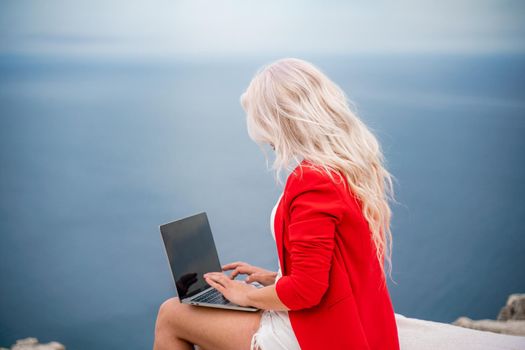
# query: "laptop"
(191, 253)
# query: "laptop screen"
(191, 253)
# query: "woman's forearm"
(266, 298)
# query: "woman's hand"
(234, 291)
(255, 274)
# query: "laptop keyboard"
(212, 296)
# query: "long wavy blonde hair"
(294, 107)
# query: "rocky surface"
(515, 308)
(510, 320)
(505, 327)
(33, 344)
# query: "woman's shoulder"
(308, 173)
(313, 183)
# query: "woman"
(331, 226)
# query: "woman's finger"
(223, 279)
(219, 277)
(215, 285)
(232, 265)
(234, 273)
(214, 273)
(240, 270)
(253, 277)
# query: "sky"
(248, 27)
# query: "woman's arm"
(315, 211)
(245, 294)
(266, 298)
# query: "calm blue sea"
(96, 154)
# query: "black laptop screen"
(191, 253)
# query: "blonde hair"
(296, 108)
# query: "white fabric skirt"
(275, 332)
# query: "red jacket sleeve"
(315, 210)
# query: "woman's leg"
(178, 326)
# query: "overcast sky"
(245, 27)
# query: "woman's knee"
(170, 312)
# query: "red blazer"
(332, 281)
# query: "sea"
(96, 153)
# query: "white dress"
(275, 331)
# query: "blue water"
(96, 154)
